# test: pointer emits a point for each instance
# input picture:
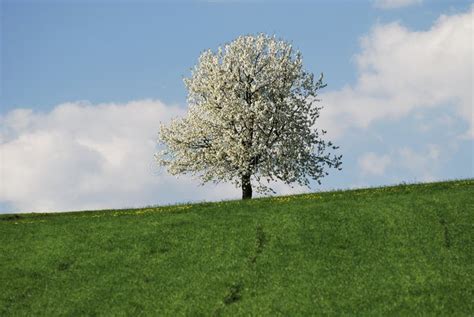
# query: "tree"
(252, 110)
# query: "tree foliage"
(251, 118)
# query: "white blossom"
(251, 117)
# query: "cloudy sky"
(85, 84)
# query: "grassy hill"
(403, 250)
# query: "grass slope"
(403, 250)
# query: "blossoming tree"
(251, 119)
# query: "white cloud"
(371, 163)
(394, 4)
(401, 71)
(412, 165)
(421, 165)
(82, 156)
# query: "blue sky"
(69, 67)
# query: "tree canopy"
(251, 118)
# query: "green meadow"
(404, 250)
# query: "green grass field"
(403, 250)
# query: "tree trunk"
(246, 187)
